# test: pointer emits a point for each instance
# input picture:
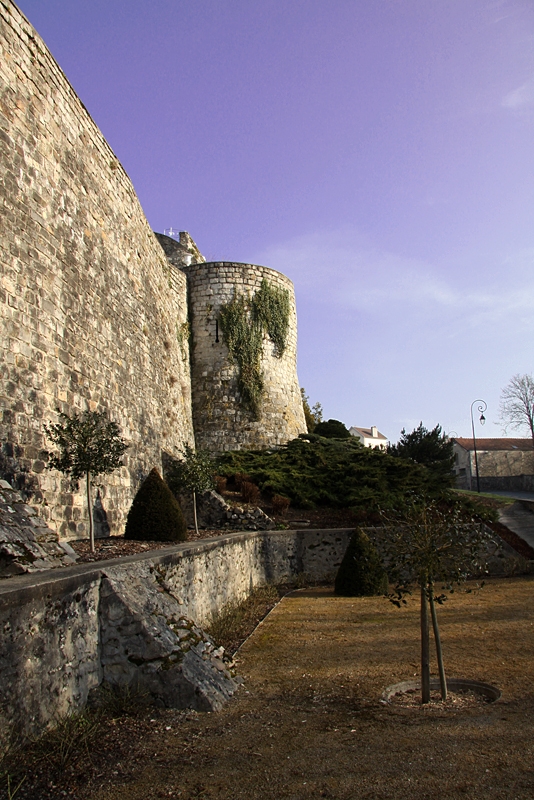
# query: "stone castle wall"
(92, 314)
(221, 422)
(96, 311)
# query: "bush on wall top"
(332, 429)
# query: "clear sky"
(378, 152)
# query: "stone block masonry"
(94, 316)
(50, 654)
(221, 422)
(90, 310)
(137, 621)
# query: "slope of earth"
(309, 721)
(118, 546)
(323, 519)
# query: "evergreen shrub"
(480, 508)
(155, 515)
(340, 473)
(361, 573)
(432, 448)
(332, 429)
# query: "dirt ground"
(309, 721)
(296, 519)
(118, 546)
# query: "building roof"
(495, 444)
(368, 433)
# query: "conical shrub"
(155, 514)
(361, 573)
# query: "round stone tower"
(221, 418)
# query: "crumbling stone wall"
(147, 644)
(91, 314)
(180, 252)
(221, 422)
(214, 512)
(27, 544)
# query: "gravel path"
(520, 520)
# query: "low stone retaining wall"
(63, 632)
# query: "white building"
(370, 437)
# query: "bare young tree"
(516, 408)
(193, 472)
(425, 543)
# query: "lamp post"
(481, 408)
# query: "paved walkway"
(515, 495)
(519, 519)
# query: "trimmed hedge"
(361, 573)
(155, 515)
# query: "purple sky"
(378, 152)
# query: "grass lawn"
(309, 722)
(500, 499)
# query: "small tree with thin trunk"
(89, 445)
(312, 415)
(516, 408)
(425, 544)
(194, 473)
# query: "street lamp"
(481, 408)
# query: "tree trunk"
(90, 512)
(437, 639)
(425, 646)
(195, 510)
